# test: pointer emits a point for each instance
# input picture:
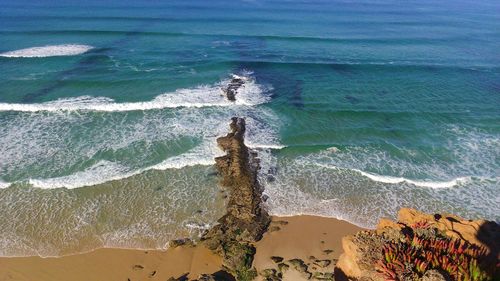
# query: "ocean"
(109, 111)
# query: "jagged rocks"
(298, 269)
(301, 267)
(245, 220)
(232, 88)
(276, 259)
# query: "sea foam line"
(394, 180)
(4, 184)
(48, 51)
(203, 96)
(106, 171)
(95, 176)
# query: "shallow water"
(109, 114)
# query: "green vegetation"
(422, 249)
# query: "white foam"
(106, 171)
(432, 184)
(203, 155)
(395, 180)
(249, 94)
(99, 173)
(4, 184)
(265, 146)
(48, 51)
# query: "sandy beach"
(297, 237)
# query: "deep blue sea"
(109, 111)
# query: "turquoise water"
(109, 114)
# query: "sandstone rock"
(326, 276)
(322, 263)
(301, 267)
(359, 256)
(282, 267)
(479, 232)
(276, 259)
(245, 220)
(363, 250)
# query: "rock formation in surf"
(245, 220)
(423, 247)
(232, 88)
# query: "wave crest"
(249, 94)
(394, 180)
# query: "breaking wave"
(395, 180)
(249, 94)
(48, 51)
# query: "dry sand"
(308, 238)
(297, 237)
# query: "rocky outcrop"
(364, 252)
(245, 220)
(298, 269)
(232, 88)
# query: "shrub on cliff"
(421, 248)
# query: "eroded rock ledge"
(422, 246)
(245, 220)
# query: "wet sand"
(301, 237)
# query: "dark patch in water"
(246, 47)
(352, 99)
(285, 85)
(496, 87)
(342, 68)
(91, 59)
(85, 65)
(296, 99)
(382, 93)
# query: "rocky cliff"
(422, 246)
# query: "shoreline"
(167, 247)
(120, 264)
(248, 244)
